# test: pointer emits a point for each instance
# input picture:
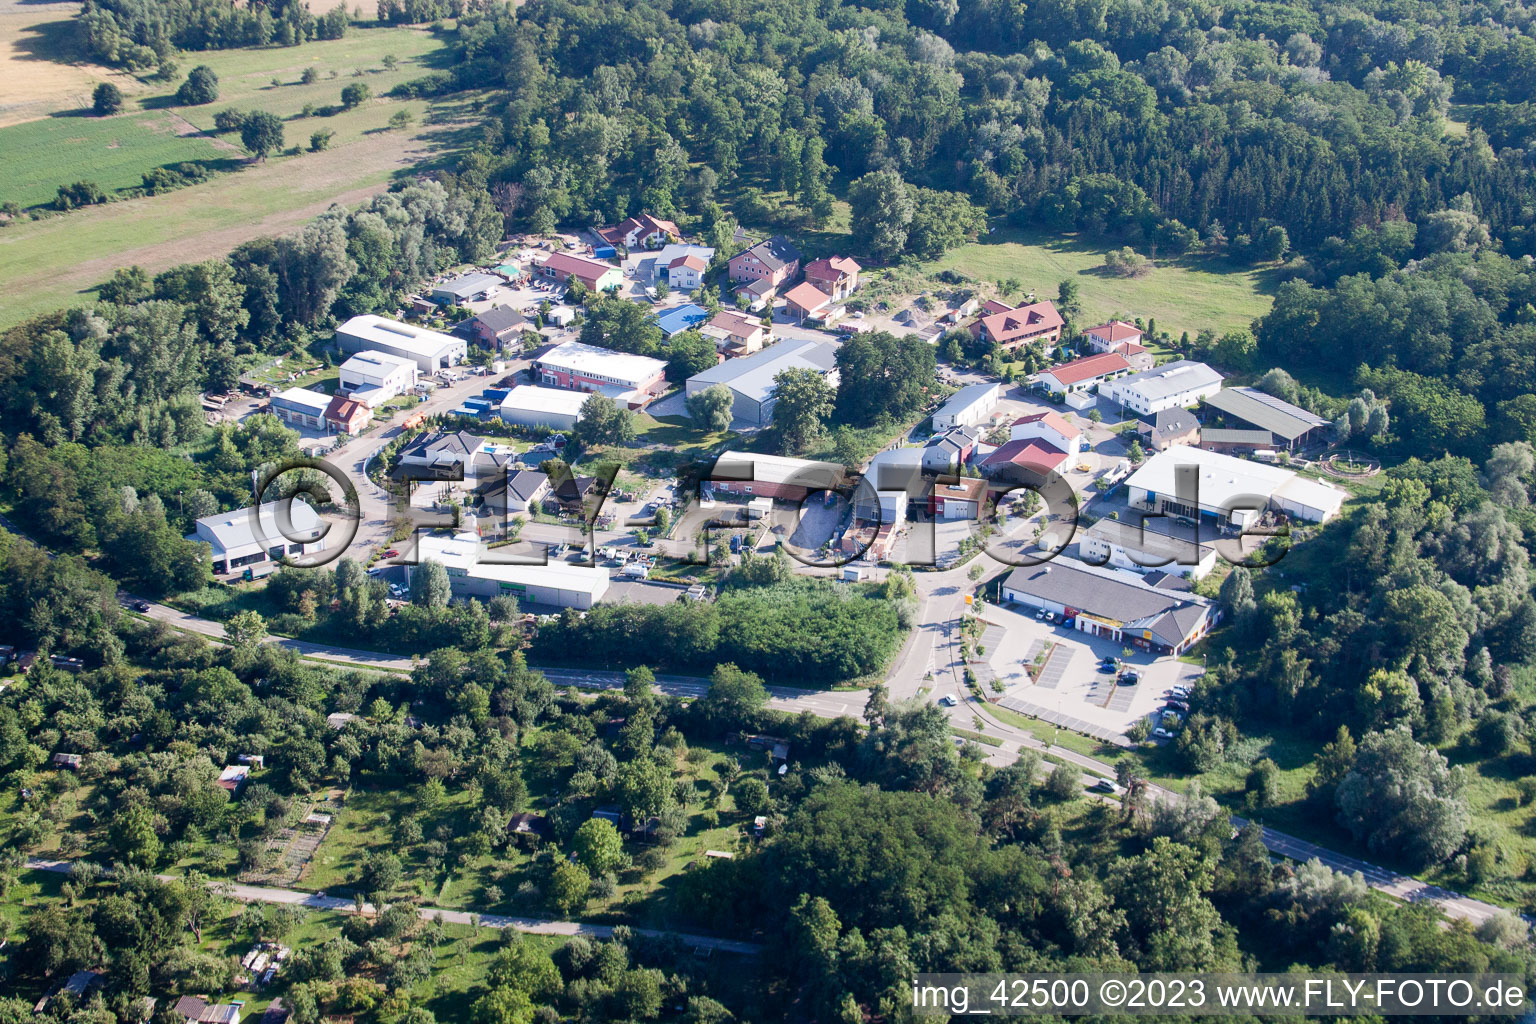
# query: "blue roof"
(681, 318)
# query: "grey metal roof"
(1152, 542)
(525, 483)
(753, 375)
(1108, 594)
(1266, 411)
(468, 284)
(1169, 423)
(458, 442)
(1169, 379)
(965, 398)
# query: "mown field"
(56, 260)
(1189, 295)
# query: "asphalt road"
(531, 925)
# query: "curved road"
(932, 647)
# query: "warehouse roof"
(575, 357)
(464, 551)
(1169, 379)
(532, 398)
(304, 398)
(378, 330)
(1171, 616)
(232, 530)
(753, 375)
(1266, 411)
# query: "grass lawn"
(55, 260)
(1187, 295)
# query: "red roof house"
(639, 231)
(1081, 374)
(1030, 454)
(1037, 322)
(806, 300)
(837, 276)
(347, 416)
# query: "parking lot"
(1071, 691)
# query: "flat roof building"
(429, 350)
(1196, 484)
(622, 376)
(556, 585)
(753, 474)
(373, 377)
(1126, 545)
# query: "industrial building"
(754, 475)
(281, 528)
(967, 407)
(1292, 426)
(301, 407)
(1195, 484)
(750, 378)
(429, 350)
(1179, 384)
(466, 288)
(622, 376)
(1145, 546)
(373, 378)
(529, 405)
(556, 585)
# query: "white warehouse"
(429, 350)
(556, 585)
(1193, 483)
(967, 407)
(529, 405)
(373, 377)
(1177, 385)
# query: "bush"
(81, 193)
(228, 120)
(320, 140)
(355, 94)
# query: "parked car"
(138, 604)
(1130, 678)
(949, 700)
(1162, 734)
(1104, 786)
(1040, 613)
(735, 543)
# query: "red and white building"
(735, 334)
(1082, 374)
(963, 499)
(1036, 323)
(627, 378)
(1031, 457)
(348, 415)
(1111, 336)
(686, 273)
(1051, 427)
(639, 232)
(753, 475)
(595, 274)
(837, 276)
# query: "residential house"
(627, 378)
(774, 261)
(1180, 384)
(441, 455)
(947, 452)
(1026, 460)
(1051, 427)
(1081, 375)
(301, 407)
(1036, 323)
(529, 405)
(1111, 337)
(596, 275)
(496, 328)
(736, 334)
(805, 302)
(1168, 428)
(466, 288)
(197, 1010)
(252, 537)
(1293, 426)
(969, 406)
(518, 491)
(655, 267)
(644, 231)
(751, 378)
(686, 273)
(1113, 604)
(429, 350)
(837, 276)
(373, 378)
(347, 415)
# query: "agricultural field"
(1184, 295)
(54, 260)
